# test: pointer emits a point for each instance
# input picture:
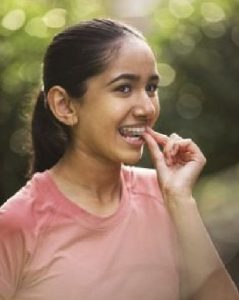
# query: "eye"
(151, 88)
(124, 88)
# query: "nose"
(146, 107)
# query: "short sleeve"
(12, 254)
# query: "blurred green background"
(197, 45)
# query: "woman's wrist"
(178, 198)
(181, 205)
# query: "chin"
(132, 158)
(130, 162)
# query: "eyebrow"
(132, 77)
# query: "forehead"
(133, 56)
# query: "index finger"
(160, 138)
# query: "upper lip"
(139, 125)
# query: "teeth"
(131, 131)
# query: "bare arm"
(203, 275)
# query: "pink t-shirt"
(51, 249)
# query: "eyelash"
(122, 88)
(154, 86)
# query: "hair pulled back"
(74, 55)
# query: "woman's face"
(118, 104)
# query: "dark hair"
(74, 55)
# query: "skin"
(91, 165)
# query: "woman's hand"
(178, 165)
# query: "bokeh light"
(14, 19)
(189, 106)
(55, 18)
(184, 39)
(214, 30)
(212, 12)
(181, 9)
(36, 27)
(167, 74)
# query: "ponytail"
(49, 137)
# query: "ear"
(61, 105)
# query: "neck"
(100, 180)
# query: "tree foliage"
(199, 40)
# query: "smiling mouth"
(132, 133)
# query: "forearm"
(203, 273)
(178, 167)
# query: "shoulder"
(13, 211)
(19, 233)
(142, 181)
(22, 211)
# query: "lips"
(132, 134)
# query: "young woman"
(86, 226)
